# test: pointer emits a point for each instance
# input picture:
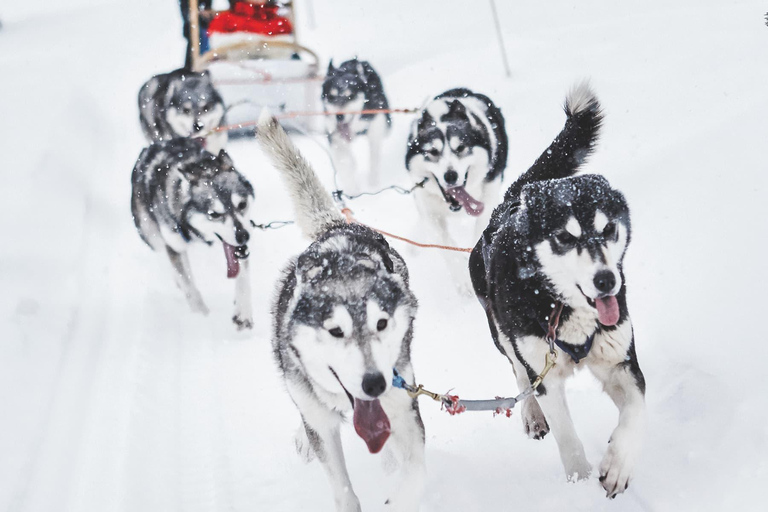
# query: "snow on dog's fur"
(351, 87)
(459, 146)
(343, 320)
(182, 194)
(561, 239)
(182, 103)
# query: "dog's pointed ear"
(225, 159)
(456, 110)
(307, 268)
(426, 121)
(330, 67)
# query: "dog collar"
(576, 352)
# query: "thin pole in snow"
(194, 33)
(501, 38)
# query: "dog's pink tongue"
(607, 310)
(345, 131)
(371, 423)
(233, 264)
(470, 204)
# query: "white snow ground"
(113, 396)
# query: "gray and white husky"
(343, 321)
(182, 103)
(182, 194)
(459, 145)
(355, 86)
(558, 241)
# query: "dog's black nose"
(198, 127)
(340, 118)
(604, 281)
(374, 384)
(241, 236)
(451, 177)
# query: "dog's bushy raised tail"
(573, 144)
(314, 208)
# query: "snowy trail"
(113, 396)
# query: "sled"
(256, 61)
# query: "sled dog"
(459, 146)
(182, 103)
(352, 87)
(182, 194)
(555, 246)
(343, 320)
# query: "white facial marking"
(181, 123)
(573, 227)
(600, 221)
(218, 207)
(374, 314)
(341, 319)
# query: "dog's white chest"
(612, 346)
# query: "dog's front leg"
(555, 407)
(243, 317)
(322, 428)
(625, 384)
(407, 442)
(375, 136)
(180, 263)
(344, 165)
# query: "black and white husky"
(559, 240)
(183, 193)
(182, 103)
(352, 87)
(459, 145)
(343, 320)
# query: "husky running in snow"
(559, 240)
(182, 103)
(181, 194)
(343, 320)
(352, 87)
(460, 146)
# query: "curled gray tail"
(312, 204)
(573, 144)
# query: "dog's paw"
(534, 422)
(303, 446)
(242, 322)
(616, 467)
(578, 469)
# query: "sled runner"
(256, 61)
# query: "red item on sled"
(253, 18)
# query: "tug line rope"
(311, 113)
(350, 219)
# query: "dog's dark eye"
(186, 110)
(242, 205)
(565, 238)
(336, 332)
(434, 152)
(214, 215)
(461, 148)
(611, 232)
(381, 324)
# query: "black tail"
(573, 144)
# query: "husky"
(352, 87)
(182, 103)
(343, 322)
(459, 146)
(183, 193)
(555, 246)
